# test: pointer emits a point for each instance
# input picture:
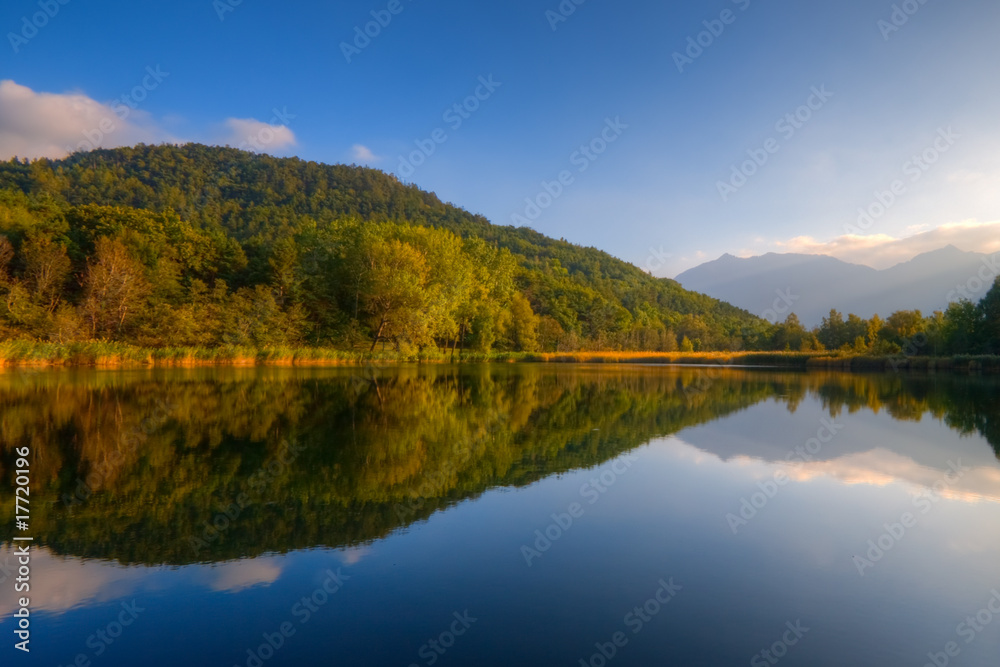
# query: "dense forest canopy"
(204, 246)
(192, 245)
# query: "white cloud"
(62, 583)
(53, 125)
(238, 575)
(881, 251)
(876, 467)
(363, 154)
(254, 135)
(353, 555)
(67, 582)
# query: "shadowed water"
(498, 515)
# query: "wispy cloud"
(53, 125)
(363, 154)
(238, 575)
(254, 135)
(34, 124)
(881, 251)
(66, 583)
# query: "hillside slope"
(294, 227)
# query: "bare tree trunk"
(455, 343)
(378, 334)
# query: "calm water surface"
(505, 515)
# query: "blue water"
(700, 545)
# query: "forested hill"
(313, 253)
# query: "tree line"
(167, 246)
(963, 328)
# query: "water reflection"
(238, 492)
(181, 467)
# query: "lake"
(504, 515)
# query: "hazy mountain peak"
(821, 282)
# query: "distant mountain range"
(816, 283)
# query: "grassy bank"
(798, 360)
(117, 355)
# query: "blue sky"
(652, 196)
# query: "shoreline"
(31, 354)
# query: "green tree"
(254, 317)
(393, 290)
(520, 327)
(874, 331)
(791, 335)
(832, 332)
(550, 334)
(989, 315)
(961, 327)
(903, 325)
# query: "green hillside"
(197, 245)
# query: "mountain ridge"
(927, 282)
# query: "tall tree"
(989, 312)
(393, 290)
(115, 288)
(47, 268)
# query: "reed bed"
(105, 354)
